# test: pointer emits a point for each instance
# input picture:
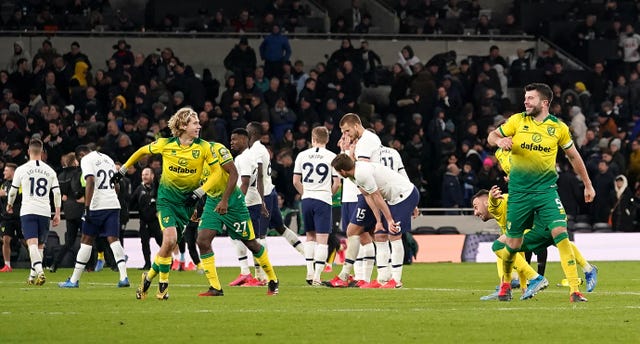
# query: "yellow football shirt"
(182, 166)
(498, 208)
(534, 151)
(224, 157)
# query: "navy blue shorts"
(346, 210)
(35, 226)
(403, 211)
(363, 216)
(316, 216)
(275, 218)
(259, 221)
(105, 223)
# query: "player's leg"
(322, 222)
(6, 245)
(210, 224)
(190, 237)
(590, 271)
(145, 237)
(90, 230)
(383, 255)
(308, 218)
(240, 220)
(178, 256)
(402, 213)
(275, 221)
(110, 227)
(31, 234)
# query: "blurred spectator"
(121, 22)
(625, 208)
(451, 10)
(243, 23)
(241, 60)
(431, 25)
(339, 26)
(364, 26)
(219, 23)
(510, 26)
(452, 191)
(47, 52)
(353, 15)
(403, 12)
(346, 52)
(426, 8)
(18, 21)
(123, 55)
(275, 51)
(603, 183)
(484, 25)
(407, 59)
(18, 53)
(75, 55)
(282, 118)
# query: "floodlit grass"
(439, 304)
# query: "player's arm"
(57, 202)
(88, 190)
(244, 184)
(335, 184)
(496, 138)
(137, 155)
(260, 185)
(578, 165)
(13, 191)
(297, 183)
(378, 205)
(230, 168)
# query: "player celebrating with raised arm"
(226, 206)
(37, 180)
(386, 192)
(179, 189)
(316, 182)
(533, 138)
(101, 215)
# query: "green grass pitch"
(439, 304)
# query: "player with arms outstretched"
(183, 158)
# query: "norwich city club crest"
(195, 153)
(551, 131)
(536, 138)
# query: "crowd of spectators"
(439, 110)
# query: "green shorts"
(536, 240)
(172, 215)
(523, 208)
(237, 219)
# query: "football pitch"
(439, 304)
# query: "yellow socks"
(209, 264)
(263, 259)
(568, 261)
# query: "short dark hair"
(36, 145)
(82, 149)
(543, 89)
(254, 129)
(480, 193)
(342, 162)
(240, 131)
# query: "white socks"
(293, 239)
(243, 259)
(118, 255)
(322, 251)
(397, 259)
(368, 260)
(36, 259)
(309, 255)
(353, 245)
(383, 253)
(84, 253)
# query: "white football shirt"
(371, 176)
(389, 157)
(262, 156)
(37, 180)
(314, 165)
(350, 191)
(102, 168)
(367, 144)
(248, 167)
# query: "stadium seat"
(447, 230)
(583, 218)
(424, 230)
(51, 248)
(582, 227)
(602, 227)
(131, 233)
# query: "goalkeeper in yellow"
(183, 158)
(492, 204)
(225, 205)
